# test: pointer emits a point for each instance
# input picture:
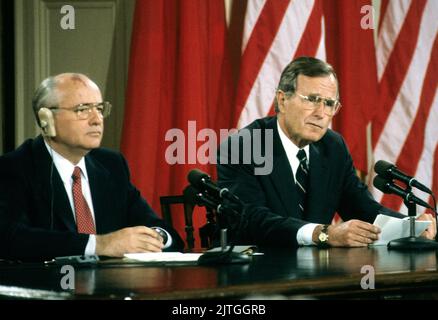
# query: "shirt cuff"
(90, 249)
(305, 233)
(169, 238)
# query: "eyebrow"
(317, 94)
(89, 103)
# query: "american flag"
(389, 85)
(404, 130)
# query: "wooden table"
(302, 273)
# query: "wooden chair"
(166, 202)
(206, 232)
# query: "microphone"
(202, 181)
(388, 187)
(390, 171)
(203, 191)
(200, 199)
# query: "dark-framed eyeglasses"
(83, 111)
(331, 106)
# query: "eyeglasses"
(331, 107)
(83, 111)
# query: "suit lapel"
(282, 175)
(319, 173)
(48, 185)
(99, 186)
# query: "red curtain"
(177, 73)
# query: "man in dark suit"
(312, 174)
(63, 195)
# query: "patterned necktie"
(302, 181)
(84, 219)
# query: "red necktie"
(84, 220)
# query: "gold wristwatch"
(323, 237)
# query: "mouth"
(94, 133)
(314, 125)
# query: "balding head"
(53, 89)
(75, 132)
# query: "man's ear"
(281, 97)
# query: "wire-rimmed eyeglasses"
(83, 111)
(331, 106)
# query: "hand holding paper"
(395, 228)
(430, 231)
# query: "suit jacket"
(272, 215)
(36, 219)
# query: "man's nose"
(95, 116)
(319, 109)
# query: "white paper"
(395, 228)
(163, 257)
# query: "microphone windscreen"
(380, 183)
(381, 167)
(195, 176)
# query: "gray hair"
(307, 66)
(46, 95)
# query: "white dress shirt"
(65, 169)
(304, 234)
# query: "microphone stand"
(225, 256)
(199, 195)
(412, 242)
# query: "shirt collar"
(290, 147)
(64, 166)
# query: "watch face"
(323, 237)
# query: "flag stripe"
(400, 118)
(259, 45)
(251, 18)
(397, 67)
(411, 153)
(383, 8)
(425, 172)
(311, 37)
(262, 92)
(312, 40)
(425, 166)
(391, 21)
(435, 175)
(321, 52)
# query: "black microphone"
(198, 198)
(390, 171)
(202, 181)
(388, 187)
